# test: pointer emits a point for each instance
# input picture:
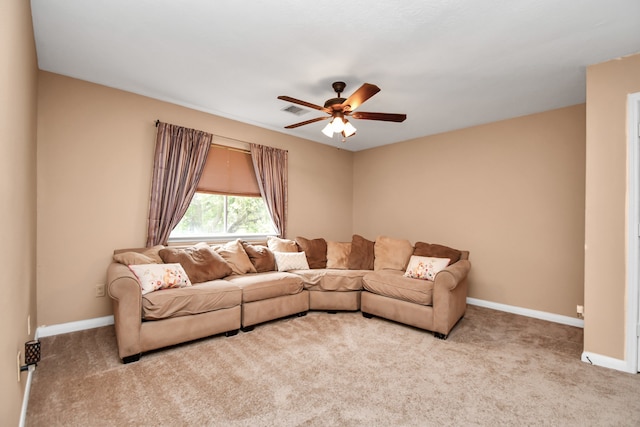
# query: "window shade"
(229, 171)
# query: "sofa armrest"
(450, 296)
(453, 274)
(124, 289)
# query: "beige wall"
(608, 85)
(95, 152)
(18, 77)
(511, 192)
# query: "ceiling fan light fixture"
(328, 130)
(337, 124)
(349, 129)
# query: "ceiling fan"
(339, 108)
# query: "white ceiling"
(447, 64)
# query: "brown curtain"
(271, 165)
(180, 157)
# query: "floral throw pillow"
(422, 267)
(153, 277)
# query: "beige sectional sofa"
(210, 290)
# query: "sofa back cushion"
(261, 257)
(276, 244)
(392, 254)
(315, 250)
(362, 253)
(201, 264)
(338, 255)
(235, 255)
(437, 251)
(138, 256)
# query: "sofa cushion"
(276, 244)
(261, 257)
(393, 284)
(437, 251)
(338, 255)
(200, 298)
(426, 268)
(315, 250)
(261, 286)
(332, 279)
(201, 264)
(362, 253)
(392, 254)
(235, 255)
(155, 277)
(132, 258)
(146, 256)
(286, 261)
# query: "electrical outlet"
(28, 325)
(18, 364)
(100, 290)
(580, 311)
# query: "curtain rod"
(226, 137)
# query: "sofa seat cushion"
(393, 284)
(328, 279)
(196, 299)
(271, 284)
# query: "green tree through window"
(215, 215)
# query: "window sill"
(182, 241)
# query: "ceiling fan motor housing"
(338, 87)
(334, 101)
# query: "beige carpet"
(337, 370)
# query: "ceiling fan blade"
(385, 117)
(305, 103)
(358, 97)
(317, 119)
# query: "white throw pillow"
(286, 261)
(153, 277)
(422, 267)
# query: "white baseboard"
(25, 400)
(606, 362)
(587, 357)
(80, 325)
(64, 328)
(543, 315)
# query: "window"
(212, 216)
(227, 203)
